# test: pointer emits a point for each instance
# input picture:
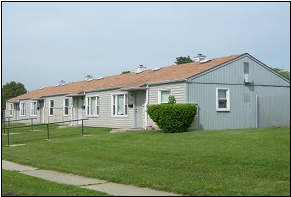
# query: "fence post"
(4, 125)
(8, 136)
(31, 120)
(47, 128)
(82, 128)
(3, 117)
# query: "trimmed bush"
(172, 118)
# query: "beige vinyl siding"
(21, 118)
(8, 111)
(57, 110)
(178, 90)
(27, 112)
(105, 119)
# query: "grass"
(25, 185)
(242, 162)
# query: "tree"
(11, 90)
(124, 72)
(183, 60)
(285, 74)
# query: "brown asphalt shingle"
(128, 80)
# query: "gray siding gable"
(232, 73)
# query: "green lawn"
(17, 184)
(243, 162)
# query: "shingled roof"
(128, 80)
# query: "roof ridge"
(131, 79)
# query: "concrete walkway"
(89, 183)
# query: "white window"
(119, 104)
(51, 107)
(222, 99)
(163, 96)
(33, 108)
(22, 109)
(92, 106)
(66, 107)
(11, 109)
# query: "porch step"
(118, 130)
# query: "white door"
(16, 111)
(139, 101)
(41, 105)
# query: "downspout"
(72, 113)
(43, 108)
(256, 110)
(146, 105)
(198, 113)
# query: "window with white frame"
(33, 108)
(51, 107)
(92, 104)
(163, 96)
(22, 109)
(11, 109)
(222, 99)
(66, 107)
(119, 104)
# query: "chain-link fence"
(33, 132)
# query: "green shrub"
(172, 118)
(172, 99)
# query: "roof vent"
(199, 58)
(62, 82)
(100, 78)
(204, 61)
(156, 68)
(140, 69)
(89, 78)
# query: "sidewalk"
(89, 183)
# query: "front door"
(16, 111)
(139, 101)
(40, 108)
(79, 110)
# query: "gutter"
(74, 95)
(16, 101)
(168, 81)
(133, 88)
(59, 94)
(103, 89)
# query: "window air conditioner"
(247, 79)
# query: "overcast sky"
(46, 42)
